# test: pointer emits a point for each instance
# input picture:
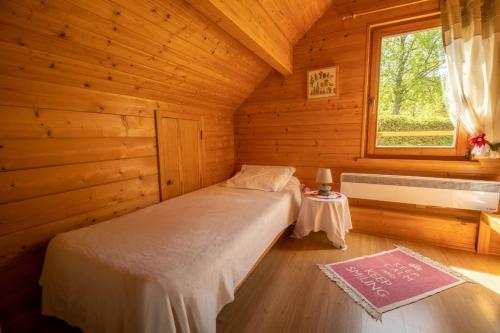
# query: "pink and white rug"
(387, 280)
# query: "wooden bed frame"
(262, 257)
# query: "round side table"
(330, 215)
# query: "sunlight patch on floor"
(490, 281)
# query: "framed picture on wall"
(323, 82)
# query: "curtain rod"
(354, 15)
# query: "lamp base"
(325, 190)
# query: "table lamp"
(324, 177)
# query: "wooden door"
(180, 154)
(169, 158)
(190, 142)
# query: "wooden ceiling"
(269, 28)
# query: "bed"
(170, 267)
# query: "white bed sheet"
(170, 267)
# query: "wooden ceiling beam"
(250, 23)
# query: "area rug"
(387, 280)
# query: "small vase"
(480, 152)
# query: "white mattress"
(170, 267)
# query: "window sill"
(416, 159)
(489, 162)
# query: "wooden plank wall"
(278, 125)
(80, 82)
(270, 28)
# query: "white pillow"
(262, 177)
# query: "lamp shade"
(324, 176)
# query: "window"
(407, 112)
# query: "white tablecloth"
(329, 215)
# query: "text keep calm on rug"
(390, 279)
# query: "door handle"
(170, 182)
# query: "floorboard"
(288, 293)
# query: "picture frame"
(323, 82)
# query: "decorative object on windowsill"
(478, 142)
(324, 177)
(494, 149)
(322, 82)
(483, 148)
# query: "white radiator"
(426, 191)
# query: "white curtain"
(471, 31)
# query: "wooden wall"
(269, 28)
(495, 244)
(79, 86)
(278, 125)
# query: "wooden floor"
(288, 293)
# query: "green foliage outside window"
(410, 95)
